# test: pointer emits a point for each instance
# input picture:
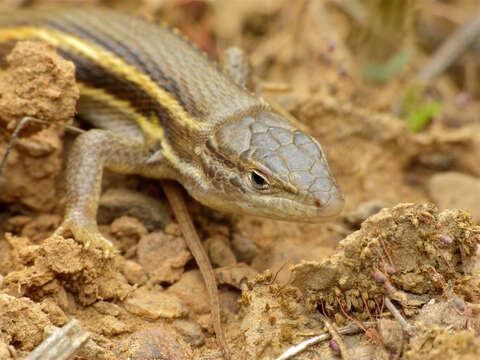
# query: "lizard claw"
(88, 234)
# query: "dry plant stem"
(19, 128)
(62, 344)
(451, 49)
(396, 314)
(332, 329)
(173, 192)
(346, 330)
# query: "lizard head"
(262, 165)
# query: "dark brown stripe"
(133, 55)
(96, 76)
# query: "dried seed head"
(379, 277)
(334, 346)
(389, 289)
(445, 239)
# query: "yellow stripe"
(153, 131)
(107, 60)
(102, 95)
(151, 127)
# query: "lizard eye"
(258, 180)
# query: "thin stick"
(332, 329)
(177, 202)
(396, 314)
(346, 330)
(62, 344)
(451, 49)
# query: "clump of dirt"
(272, 315)
(22, 322)
(61, 264)
(37, 83)
(409, 252)
(443, 344)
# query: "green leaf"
(420, 117)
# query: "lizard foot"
(86, 233)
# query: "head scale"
(262, 165)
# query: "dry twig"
(346, 330)
(62, 344)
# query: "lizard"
(162, 109)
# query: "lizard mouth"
(293, 210)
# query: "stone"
(154, 305)
(191, 332)
(456, 190)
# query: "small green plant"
(416, 112)
(420, 117)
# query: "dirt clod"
(191, 332)
(24, 90)
(163, 256)
(152, 343)
(405, 238)
(22, 322)
(155, 305)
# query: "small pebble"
(220, 253)
(107, 308)
(245, 250)
(112, 326)
(191, 332)
(153, 343)
(154, 305)
(134, 273)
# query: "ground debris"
(272, 316)
(440, 343)
(411, 253)
(22, 322)
(397, 252)
(38, 83)
(58, 264)
(62, 344)
(154, 343)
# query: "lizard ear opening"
(235, 137)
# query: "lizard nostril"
(318, 203)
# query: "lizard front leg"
(91, 152)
